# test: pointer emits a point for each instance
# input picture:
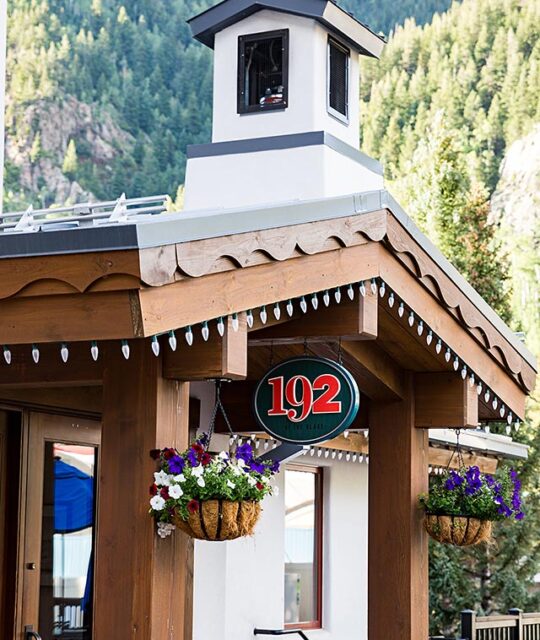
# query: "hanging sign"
(306, 400)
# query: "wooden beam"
(218, 357)
(193, 300)
(143, 584)
(444, 400)
(398, 549)
(85, 401)
(351, 320)
(50, 370)
(384, 379)
(448, 328)
(64, 318)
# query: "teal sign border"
(281, 428)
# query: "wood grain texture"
(398, 546)
(445, 400)
(143, 584)
(85, 401)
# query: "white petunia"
(179, 478)
(162, 479)
(200, 482)
(231, 484)
(223, 455)
(175, 491)
(236, 470)
(157, 503)
(197, 471)
(251, 481)
(240, 462)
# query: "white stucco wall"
(307, 103)
(3, 26)
(239, 585)
(273, 177)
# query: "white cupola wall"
(286, 105)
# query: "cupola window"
(338, 80)
(263, 63)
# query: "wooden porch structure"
(424, 349)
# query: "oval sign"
(306, 400)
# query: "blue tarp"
(73, 498)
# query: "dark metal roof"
(222, 15)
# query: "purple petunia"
(244, 452)
(176, 464)
(192, 458)
(258, 467)
(274, 468)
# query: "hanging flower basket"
(462, 505)
(210, 497)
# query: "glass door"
(58, 537)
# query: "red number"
(277, 397)
(330, 387)
(305, 401)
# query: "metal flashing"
(482, 442)
(287, 141)
(205, 25)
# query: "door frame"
(38, 428)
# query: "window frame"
(241, 105)
(319, 542)
(344, 118)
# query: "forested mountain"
(105, 96)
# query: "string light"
(172, 341)
(479, 388)
(235, 322)
(327, 453)
(486, 396)
(277, 311)
(447, 355)
(494, 404)
(374, 286)
(290, 308)
(337, 295)
(464, 373)
(125, 349)
(303, 304)
(429, 337)
(438, 346)
(155, 346)
(326, 298)
(189, 335)
(391, 300)
(35, 353)
(382, 289)
(420, 328)
(7, 354)
(249, 318)
(411, 319)
(455, 364)
(221, 326)
(340, 455)
(362, 289)
(471, 380)
(314, 301)
(263, 315)
(205, 331)
(350, 292)
(94, 350)
(401, 309)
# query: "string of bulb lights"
(324, 298)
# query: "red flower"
(198, 448)
(164, 493)
(155, 453)
(153, 490)
(260, 486)
(206, 458)
(193, 506)
(168, 453)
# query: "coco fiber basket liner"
(458, 530)
(218, 520)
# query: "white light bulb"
(312, 452)
(266, 444)
(35, 353)
(502, 411)
(249, 318)
(411, 319)
(354, 457)
(420, 328)
(374, 286)
(221, 326)
(479, 388)
(333, 455)
(172, 341)
(447, 355)
(517, 425)
(401, 309)
(326, 298)
(277, 311)
(362, 289)
(189, 336)
(456, 363)
(429, 338)
(94, 351)
(346, 433)
(303, 304)
(337, 295)
(486, 396)
(508, 429)
(155, 346)
(205, 331)
(464, 373)
(7, 355)
(509, 418)
(340, 455)
(471, 379)
(494, 403)
(314, 301)
(350, 292)
(235, 322)
(125, 349)
(327, 453)
(290, 308)
(263, 315)
(348, 456)
(391, 300)
(319, 453)
(382, 289)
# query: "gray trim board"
(482, 442)
(287, 141)
(205, 25)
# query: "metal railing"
(514, 626)
(280, 632)
(84, 214)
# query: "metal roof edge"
(482, 442)
(484, 308)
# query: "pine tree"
(70, 164)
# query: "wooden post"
(518, 632)
(143, 585)
(468, 624)
(398, 549)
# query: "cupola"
(286, 104)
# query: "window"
(338, 80)
(263, 67)
(303, 547)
